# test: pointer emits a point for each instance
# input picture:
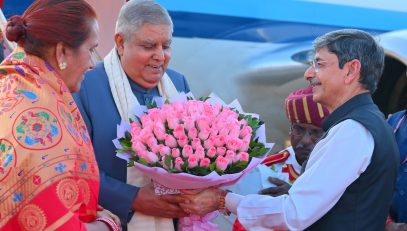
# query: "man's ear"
(119, 42)
(353, 71)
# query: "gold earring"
(62, 65)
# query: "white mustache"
(314, 82)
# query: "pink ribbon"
(198, 223)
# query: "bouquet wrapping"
(184, 143)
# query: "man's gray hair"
(349, 44)
(135, 13)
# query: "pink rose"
(221, 151)
(211, 152)
(172, 121)
(189, 122)
(178, 106)
(160, 134)
(179, 131)
(203, 123)
(214, 131)
(159, 131)
(205, 162)
(151, 141)
(175, 152)
(145, 134)
(192, 161)
(224, 131)
(208, 143)
(142, 154)
(192, 133)
(230, 156)
(221, 163)
(246, 130)
(219, 141)
(170, 141)
(135, 129)
(195, 143)
(164, 150)
(243, 156)
(233, 144)
(187, 151)
(138, 147)
(154, 114)
(146, 121)
(245, 146)
(243, 122)
(183, 140)
(200, 152)
(178, 163)
(151, 157)
(247, 138)
(154, 148)
(234, 132)
(204, 133)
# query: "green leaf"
(142, 161)
(150, 105)
(127, 135)
(212, 166)
(130, 163)
(237, 167)
(3, 147)
(167, 101)
(168, 161)
(125, 143)
(200, 171)
(138, 119)
(204, 98)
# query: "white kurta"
(256, 180)
(335, 163)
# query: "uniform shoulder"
(279, 157)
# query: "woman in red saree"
(49, 178)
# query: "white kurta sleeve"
(336, 162)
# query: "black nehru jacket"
(365, 203)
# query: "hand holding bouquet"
(192, 144)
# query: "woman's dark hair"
(47, 22)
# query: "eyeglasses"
(316, 64)
(300, 131)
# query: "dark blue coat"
(399, 204)
(95, 101)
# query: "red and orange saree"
(49, 179)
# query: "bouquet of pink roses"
(190, 144)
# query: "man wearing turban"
(306, 118)
(284, 167)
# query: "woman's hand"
(106, 213)
(201, 201)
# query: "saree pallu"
(49, 179)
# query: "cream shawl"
(126, 102)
